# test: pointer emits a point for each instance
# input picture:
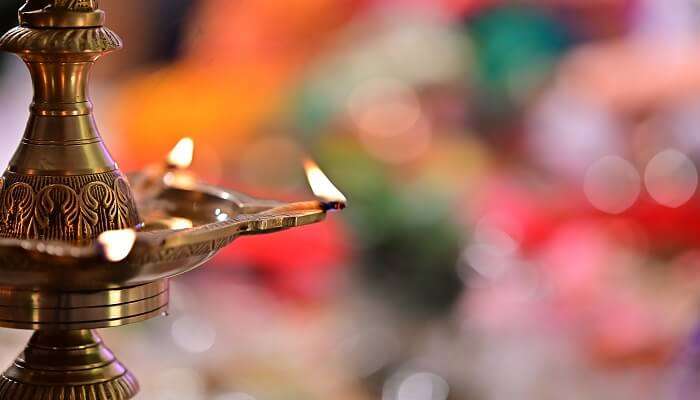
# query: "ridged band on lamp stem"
(46, 309)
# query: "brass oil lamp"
(84, 247)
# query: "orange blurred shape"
(218, 105)
(242, 58)
(267, 28)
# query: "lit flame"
(181, 155)
(117, 244)
(320, 184)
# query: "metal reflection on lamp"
(83, 246)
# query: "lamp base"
(67, 365)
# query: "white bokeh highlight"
(416, 386)
(192, 334)
(671, 178)
(612, 184)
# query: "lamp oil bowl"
(83, 246)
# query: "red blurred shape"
(302, 263)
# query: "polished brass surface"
(62, 190)
(62, 183)
(159, 252)
(67, 365)
(45, 309)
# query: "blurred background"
(524, 220)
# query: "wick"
(334, 205)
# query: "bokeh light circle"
(390, 120)
(194, 335)
(612, 184)
(671, 178)
(488, 261)
(416, 386)
(384, 106)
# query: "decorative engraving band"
(169, 254)
(122, 388)
(69, 5)
(65, 207)
(77, 5)
(23, 39)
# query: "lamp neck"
(62, 183)
(60, 88)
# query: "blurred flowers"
(523, 181)
(302, 264)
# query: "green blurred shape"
(516, 49)
(405, 232)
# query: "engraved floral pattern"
(58, 201)
(123, 192)
(58, 211)
(17, 210)
(94, 197)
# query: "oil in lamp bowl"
(84, 246)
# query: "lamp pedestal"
(67, 365)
